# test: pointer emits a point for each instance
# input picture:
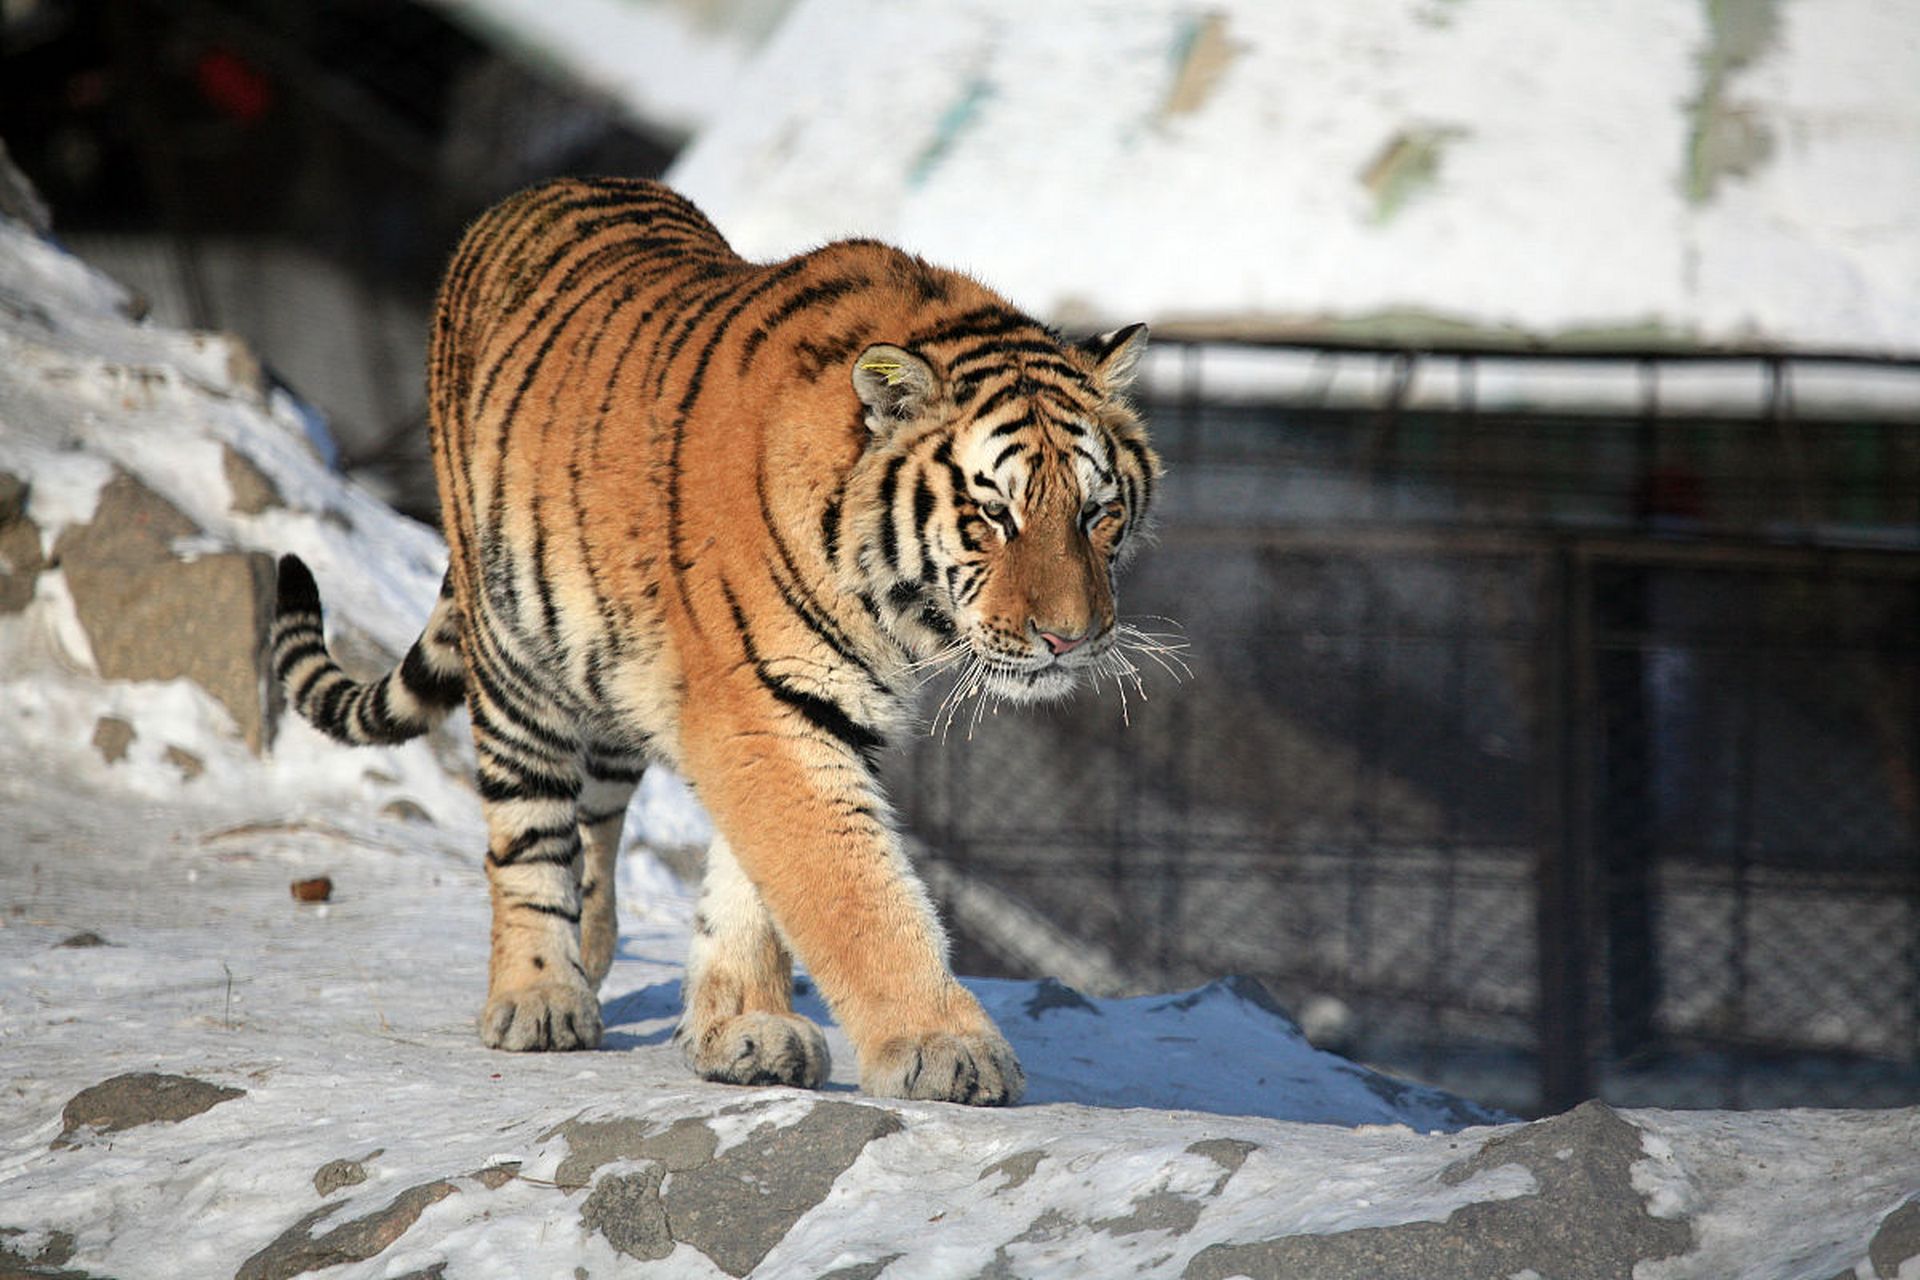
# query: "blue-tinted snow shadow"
(1224, 1048)
(655, 1008)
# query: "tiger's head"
(1004, 483)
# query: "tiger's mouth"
(1039, 678)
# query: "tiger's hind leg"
(611, 777)
(538, 993)
(739, 1026)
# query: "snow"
(349, 1024)
(1523, 170)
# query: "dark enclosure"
(1541, 753)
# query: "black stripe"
(428, 685)
(999, 397)
(890, 536)
(814, 295)
(981, 322)
(830, 527)
(565, 913)
(288, 654)
(821, 712)
(601, 769)
(923, 504)
(1139, 454)
(827, 715)
(532, 836)
(528, 785)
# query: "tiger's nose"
(1063, 644)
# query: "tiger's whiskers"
(1166, 649)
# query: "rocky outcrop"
(1585, 1221)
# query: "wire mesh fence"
(1541, 753)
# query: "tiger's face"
(1005, 502)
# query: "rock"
(1585, 1221)
(335, 1174)
(144, 1097)
(626, 1209)
(592, 1143)
(205, 620)
(21, 558)
(48, 1262)
(150, 615)
(253, 490)
(85, 938)
(312, 889)
(297, 1250)
(405, 810)
(496, 1176)
(1897, 1242)
(862, 1270)
(736, 1208)
(13, 496)
(434, 1271)
(190, 765)
(131, 523)
(1017, 1168)
(111, 738)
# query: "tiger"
(721, 515)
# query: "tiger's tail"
(403, 704)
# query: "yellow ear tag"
(892, 370)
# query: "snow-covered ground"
(204, 1076)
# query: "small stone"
(313, 889)
(13, 497)
(190, 765)
(144, 1097)
(85, 938)
(21, 558)
(111, 738)
(405, 810)
(335, 1174)
(496, 1176)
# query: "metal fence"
(1538, 752)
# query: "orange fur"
(710, 512)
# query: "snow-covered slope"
(1635, 171)
(204, 1076)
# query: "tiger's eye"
(994, 510)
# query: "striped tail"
(403, 704)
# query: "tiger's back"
(710, 512)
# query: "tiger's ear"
(894, 384)
(1116, 356)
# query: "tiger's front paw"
(549, 1015)
(758, 1049)
(976, 1068)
